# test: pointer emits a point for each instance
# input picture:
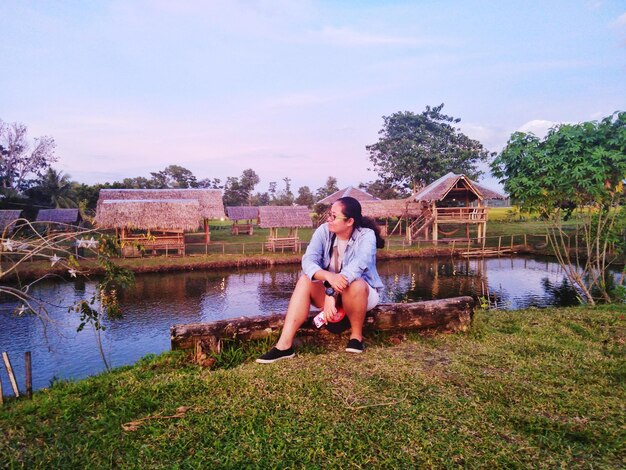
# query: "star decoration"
(72, 272)
(8, 244)
(54, 260)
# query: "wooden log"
(450, 315)
(7, 364)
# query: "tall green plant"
(577, 170)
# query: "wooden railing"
(278, 243)
(461, 214)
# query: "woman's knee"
(358, 288)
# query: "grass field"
(533, 388)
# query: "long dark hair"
(352, 209)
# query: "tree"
(383, 189)
(54, 189)
(174, 176)
(329, 188)
(285, 197)
(209, 183)
(305, 197)
(577, 169)
(20, 159)
(238, 191)
(416, 149)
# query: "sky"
(292, 88)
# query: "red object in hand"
(338, 316)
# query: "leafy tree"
(54, 189)
(174, 176)
(383, 189)
(238, 191)
(416, 149)
(305, 197)
(20, 159)
(576, 167)
(260, 199)
(139, 182)
(285, 197)
(329, 188)
(209, 183)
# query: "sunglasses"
(335, 217)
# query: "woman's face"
(338, 222)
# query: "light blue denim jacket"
(359, 260)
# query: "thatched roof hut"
(209, 200)
(159, 214)
(7, 217)
(383, 209)
(284, 216)
(242, 212)
(356, 193)
(58, 216)
(451, 185)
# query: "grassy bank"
(534, 388)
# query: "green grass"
(533, 388)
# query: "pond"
(160, 300)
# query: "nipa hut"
(162, 223)
(450, 203)
(356, 193)
(59, 220)
(401, 209)
(7, 219)
(247, 214)
(290, 217)
(210, 205)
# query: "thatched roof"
(160, 214)
(284, 216)
(242, 212)
(7, 217)
(58, 216)
(451, 183)
(356, 193)
(390, 208)
(209, 200)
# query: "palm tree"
(55, 189)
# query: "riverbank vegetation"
(532, 388)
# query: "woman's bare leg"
(298, 310)
(354, 300)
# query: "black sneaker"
(354, 346)
(276, 354)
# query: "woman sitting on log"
(339, 261)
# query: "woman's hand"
(330, 308)
(337, 281)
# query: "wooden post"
(1, 394)
(499, 243)
(511, 242)
(525, 241)
(29, 375)
(7, 364)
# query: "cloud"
(350, 37)
(620, 22)
(539, 127)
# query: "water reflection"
(160, 300)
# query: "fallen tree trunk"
(449, 315)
